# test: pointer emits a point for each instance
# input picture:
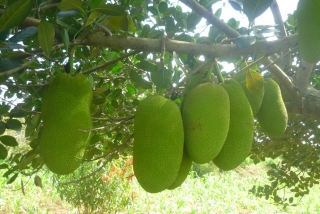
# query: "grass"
(213, 192)
(206, 190)
(35, 200)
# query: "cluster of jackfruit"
(216, 123)
(66, 122)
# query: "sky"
(286, 7)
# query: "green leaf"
(8, 140)
(13, 178)
(218, 12)
(9, 172)
(96, 3)
(254, 81)
(4, 109)
(290, 199)
(161, 78)
(111, 9)
(2, 127)
(145, 31)
(123, 23)
(11, 45)
(24, 34)
(22, 187)
(131, 89)
(163, 6)
(146, 66)
(308, 17)
(170, 27)
(192, 20)
(71, 5)
(15, 14)
(138, 81)
(46, 35)
(116, 93)
(38, 181)
(236, 4)
(3, 152)
(254, 8)
(65, 38)
(8, 64)
(14, 124)
(183, 37)
(4, 166)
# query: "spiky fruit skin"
(239, 141)
(272, 116)
(158, 143)
(65, 111)
(183, 171)
(206, 113)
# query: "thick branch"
(212, 51)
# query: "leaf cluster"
(298, 169)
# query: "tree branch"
(111, 62)
(212, 19)
(181, 47)
(16, 69)
(286, 62)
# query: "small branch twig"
(113, 119)
(45, 7)
(111, 62)
(16, 69)
(23, 85)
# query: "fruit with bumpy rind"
(254, 98)
(158, 143)
(272, 116)
(183, 171)
(205, 114)
(239, 141)
(66, 123)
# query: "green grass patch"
(206, 190)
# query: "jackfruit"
(205, 114)
(66, 117)
(254, 98)
(183, 171)
(239, 141)
(272, 116)
(158, 143)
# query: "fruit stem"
(217, 71)
(71, 60)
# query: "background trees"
(129, 49)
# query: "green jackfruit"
(65, 113)
(272, 116)
(254, 98)
(206, 113)
(239, 141)
(158, 143)
(183, 172)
